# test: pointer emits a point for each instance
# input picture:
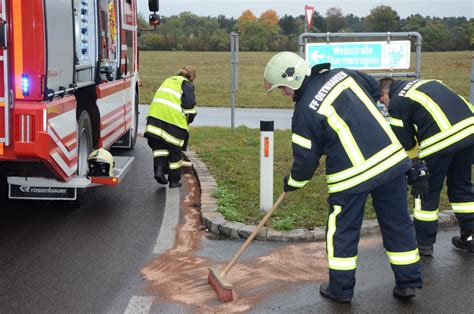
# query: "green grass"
(213, 75)
(233, 156)
(233, 159)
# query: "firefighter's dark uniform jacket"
(429, 112)
(172, 109)
(335, 115)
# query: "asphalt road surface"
(139, 248)
(250, 117)
(57, 259)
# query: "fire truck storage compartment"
(60, 46)
(109, 39)
(85, 29)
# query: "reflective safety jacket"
(335, 115)
(172, 108)
(430, 113)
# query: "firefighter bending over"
(171, 111)
(442, 122)
(335, 115)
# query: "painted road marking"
(170, 220)
(139, 304)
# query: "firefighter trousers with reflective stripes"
(343, 231)
(456, 168)
(166, 159)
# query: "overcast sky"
(234, 8)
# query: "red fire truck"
(68, 84)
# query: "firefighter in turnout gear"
(171, 111)
(335, 115)
(436, 128)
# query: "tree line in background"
(269, 32)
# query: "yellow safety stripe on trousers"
(396, 122)
(463, 208)
(297, 184)
(424, 215)
(164, 135)
(381, 167)
(332, 230)
(369, 163)
(404, 258)
(301, 141)
(446, 138)
(429, 104)
(337, 263)
(175, 165)
(343, 132)
(342, 263)
(190, 111)
(161, 153)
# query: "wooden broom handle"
(253, 235)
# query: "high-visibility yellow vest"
(166, 104)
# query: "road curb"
(217, 224)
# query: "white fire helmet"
(285, 69)
(101, 163)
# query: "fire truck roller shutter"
(85, 40)
(60, 44)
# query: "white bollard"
(266, 165)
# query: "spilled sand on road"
(180, 276)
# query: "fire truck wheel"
(84, 149)
(135, 124)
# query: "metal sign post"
(266, 165)
(471, 96)
(234, 74)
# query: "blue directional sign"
(371, 55)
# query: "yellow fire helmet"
(285, 69)
(101, 163)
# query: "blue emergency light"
(25, 85)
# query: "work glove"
(417, 177)
(286, 187)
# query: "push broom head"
(222, 287)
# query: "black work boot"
(404, 293)
(159, 170)
(175, 184)
(425, 250)
(160, 177)
(465, 241)
(323, 289)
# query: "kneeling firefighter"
(172, 109)
(335, 115)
